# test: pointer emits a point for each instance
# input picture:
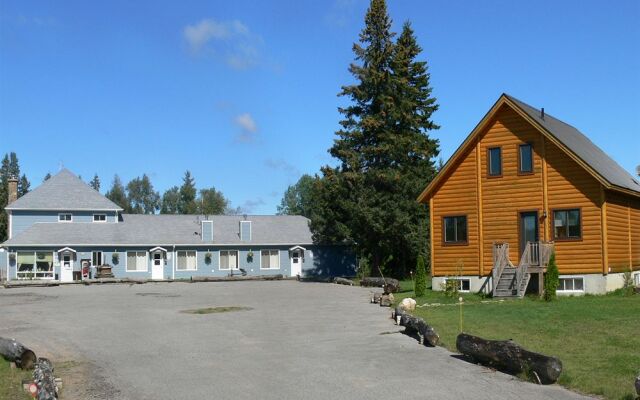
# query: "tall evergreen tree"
(384, 150)
(23, 185)
(188, 193)
(211, 202)
(47, 177)
(9, 168)
(297, 199)
(95, 182)
(142, 197)
(171, 201)
(118, 195)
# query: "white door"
(66, 268)
(157, 268)
(296, 263)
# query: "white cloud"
(248, 128)
(280, 164)
(250, 205)
(340, 13)
(230, 41)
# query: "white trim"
(65, 221)
(126, 260)
(66, 250)
(186, 269)
(574, 278)
(250, 230)
(202, 230)
(99, 221)
(297, 247)
(270, 250)
(237, 260)
(157, 248)
(148, 244)
(10, 223)
(63, 209)
(460, 280)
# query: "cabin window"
(525, 158)
(229, 259)
(455, 229)
(187, 261)
(495, 161)
(65, 217)
(270, 259)
(571, 285)
(136, 261)
(463, 285)
(99, 217)
(566, 224)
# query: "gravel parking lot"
(298, 341)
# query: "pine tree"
(297, 199)
(171, 201)
(47, 177)
(420, 285)
(23, 185)
(95, 182)
(188, 193)
(10, 168)
(118, 195)
(551, 279)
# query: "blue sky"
(243, 93)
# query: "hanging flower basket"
(207, 258)
(250, 256)
(12, 256)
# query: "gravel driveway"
(299, 341)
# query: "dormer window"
(99, 217)
(65, 217)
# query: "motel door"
(296, 262)
(157, 270)
(66, 268)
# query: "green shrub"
(420, 284)
(628, 286)
(551, 280)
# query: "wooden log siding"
(618, 232)
(635, 233)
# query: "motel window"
(99, 217)
(137, 261)
(96, 258)
(228, 259)
(35, 265)
(571, 285)
(525, 158)
(566, 224)
(187, 261)
(65, 217)
(455, 229)
(270, 259)
(26, 262)
(495, 161)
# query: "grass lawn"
(11, 382)
(596, 337)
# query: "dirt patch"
(216, 310)
(82, 380)
(13, 299)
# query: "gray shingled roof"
(64, 191)
(582, 147)
(166, 230)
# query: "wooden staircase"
(510, 280)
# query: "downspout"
(173, 263)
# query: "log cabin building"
(521, 186)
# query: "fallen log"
(343, 281)
(397, 314)
(44, 380)
(508, 356)
(15, 351)
(389, 285)
(638, 385)
(416, 325)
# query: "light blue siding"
(245, 231)
(23, 219)
(207, 231)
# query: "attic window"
(99, 217)
(65, 217)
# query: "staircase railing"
(535, 254)
(500, 261)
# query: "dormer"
(245, 231)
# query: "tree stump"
(508, 356)
(15, 351)
(388, 284)
(416, 325)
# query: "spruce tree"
(420, 284)
(118, 195)
(188, 193)
(23, 185)
(95, 182)
(551, 279)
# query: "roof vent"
(542, 113)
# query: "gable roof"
(65, 192)
(167, 230)
(607, 171)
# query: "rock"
(343, 281)
(408, 304)
(418, 326)
(375, 297)
(386, 300)
(388, 284)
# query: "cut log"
(343, 281)
(44, 379)
(416, 325)
(638, 385)
(388, 284)
(508, 356)
(17, 352)
(397, 314)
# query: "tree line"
(10, 168)
(383, 151)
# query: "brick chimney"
(13, 190)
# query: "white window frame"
(126, 261)
(270, 251)
(237, 260)
(573, 278)
(100, 221)
(35, 273)
(186, 268)
(636, 279)
(69, 220)
(460, 280)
